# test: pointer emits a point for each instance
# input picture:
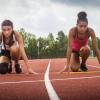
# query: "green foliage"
(49, 47)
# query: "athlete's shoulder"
(72, 31)
(16, 33)
(91, 30)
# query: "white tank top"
(7, 46)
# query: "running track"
(49, 84)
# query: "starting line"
(88, 72)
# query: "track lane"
(78, 86)
(25, 87)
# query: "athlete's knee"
(3, 68)
(85, 50)
(75, 67)
(14, 49)
(4, 59)
(14, 52)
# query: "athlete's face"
(7, 30)
(82, 26)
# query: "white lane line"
(34, 81)
(19, 82)
(51, 92)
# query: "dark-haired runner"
(11, 47)
(78, 44)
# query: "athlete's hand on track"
(30, 71)
(66, 69)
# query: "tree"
(61, 44)
(49, 47)
(29, 43)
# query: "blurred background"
(44, 24)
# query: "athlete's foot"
(18, 68)
(10, 67)
(83, 67)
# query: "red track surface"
(78, 86)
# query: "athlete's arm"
(22, 50)
(95, 44)
(69, 51)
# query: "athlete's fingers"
(64, 70)
(32, 72)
